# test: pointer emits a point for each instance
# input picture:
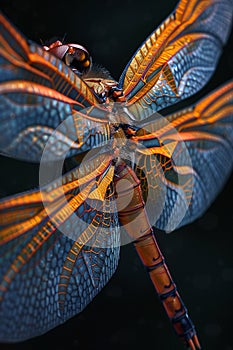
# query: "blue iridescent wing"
(57, 255)
(185, 158)
(38, 93)
(178, 58)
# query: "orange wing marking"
(98, 194)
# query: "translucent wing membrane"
(37, 93)
(178, 58)
(28, 120)
(56, 255)
(193, 148)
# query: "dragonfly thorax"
(107, 90)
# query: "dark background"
(127, 313)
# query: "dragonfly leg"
(134, 218)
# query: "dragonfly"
(132, 169)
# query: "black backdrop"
(127, 313)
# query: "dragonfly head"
(74, 56)
(97, 77)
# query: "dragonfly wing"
(178, 58)
(38, 93)
(26, 61)
(192, 150)
(55, 260)
(30, 120)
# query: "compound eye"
(77, 59)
